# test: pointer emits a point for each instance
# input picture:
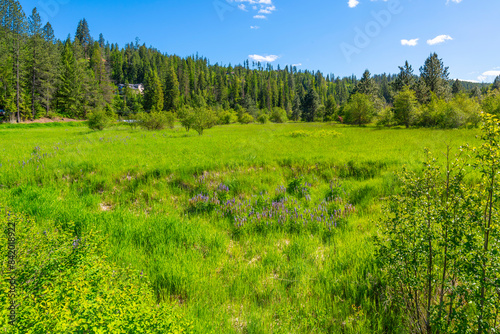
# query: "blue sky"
(342, 37)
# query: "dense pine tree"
(83, 36)
(405, 78)
(35, 58)
(435, 75)
(171, 90)
(310, 106)
(153, 92)
(457, 87)
(496, 83)
(367, 85)
(50, 68)
(69, 88)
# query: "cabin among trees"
(134, 88)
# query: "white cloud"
(297, 65)
(439, 39)
(257, 2)
(491, 73)
(409, 42)
(267, 10)
(473, 81)
(254, 27)
(260, 6)
(267, 59)
(353, 3)
(488, 76)
(455, 1)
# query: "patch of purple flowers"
(281, 212)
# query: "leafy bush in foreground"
(64, 285)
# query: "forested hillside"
(41, 76)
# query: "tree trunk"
(33, 86)
(17, 82)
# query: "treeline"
(41, 76)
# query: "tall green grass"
(135, 187)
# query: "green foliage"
(491, 103)
(367, 85)
(315, 134)
(155, 120)
(457, 87)
(153, 92)
(359, 110)
(460, 111)
(439, 244)
(227, 117)
(98, 120)
(405, 78)
(405, 107)
(331, 109)
(203, 118)
(65, 284)
(386, 117)
(468, 109)
(171, 91)
(435, 76)
(246, 118)
(278, 115)
(263, 118)
(310, 106)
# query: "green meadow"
(248, 228)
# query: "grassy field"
(211, 219)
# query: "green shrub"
(186, 117)
(386, 117)
(98, 120)
(405, 107)
(438, 242)
(246, 118)
(470, 110)
(156, 120)
(66, 285)
(359, 110)
(227, 117)
(278, 115)
(198, 119)
(263, 118)
(491, 104)
(456, 113)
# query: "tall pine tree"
(171, 97)
(83, 36)
(153, 92)
(50, 68)
(36, 58)
(435, 75)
